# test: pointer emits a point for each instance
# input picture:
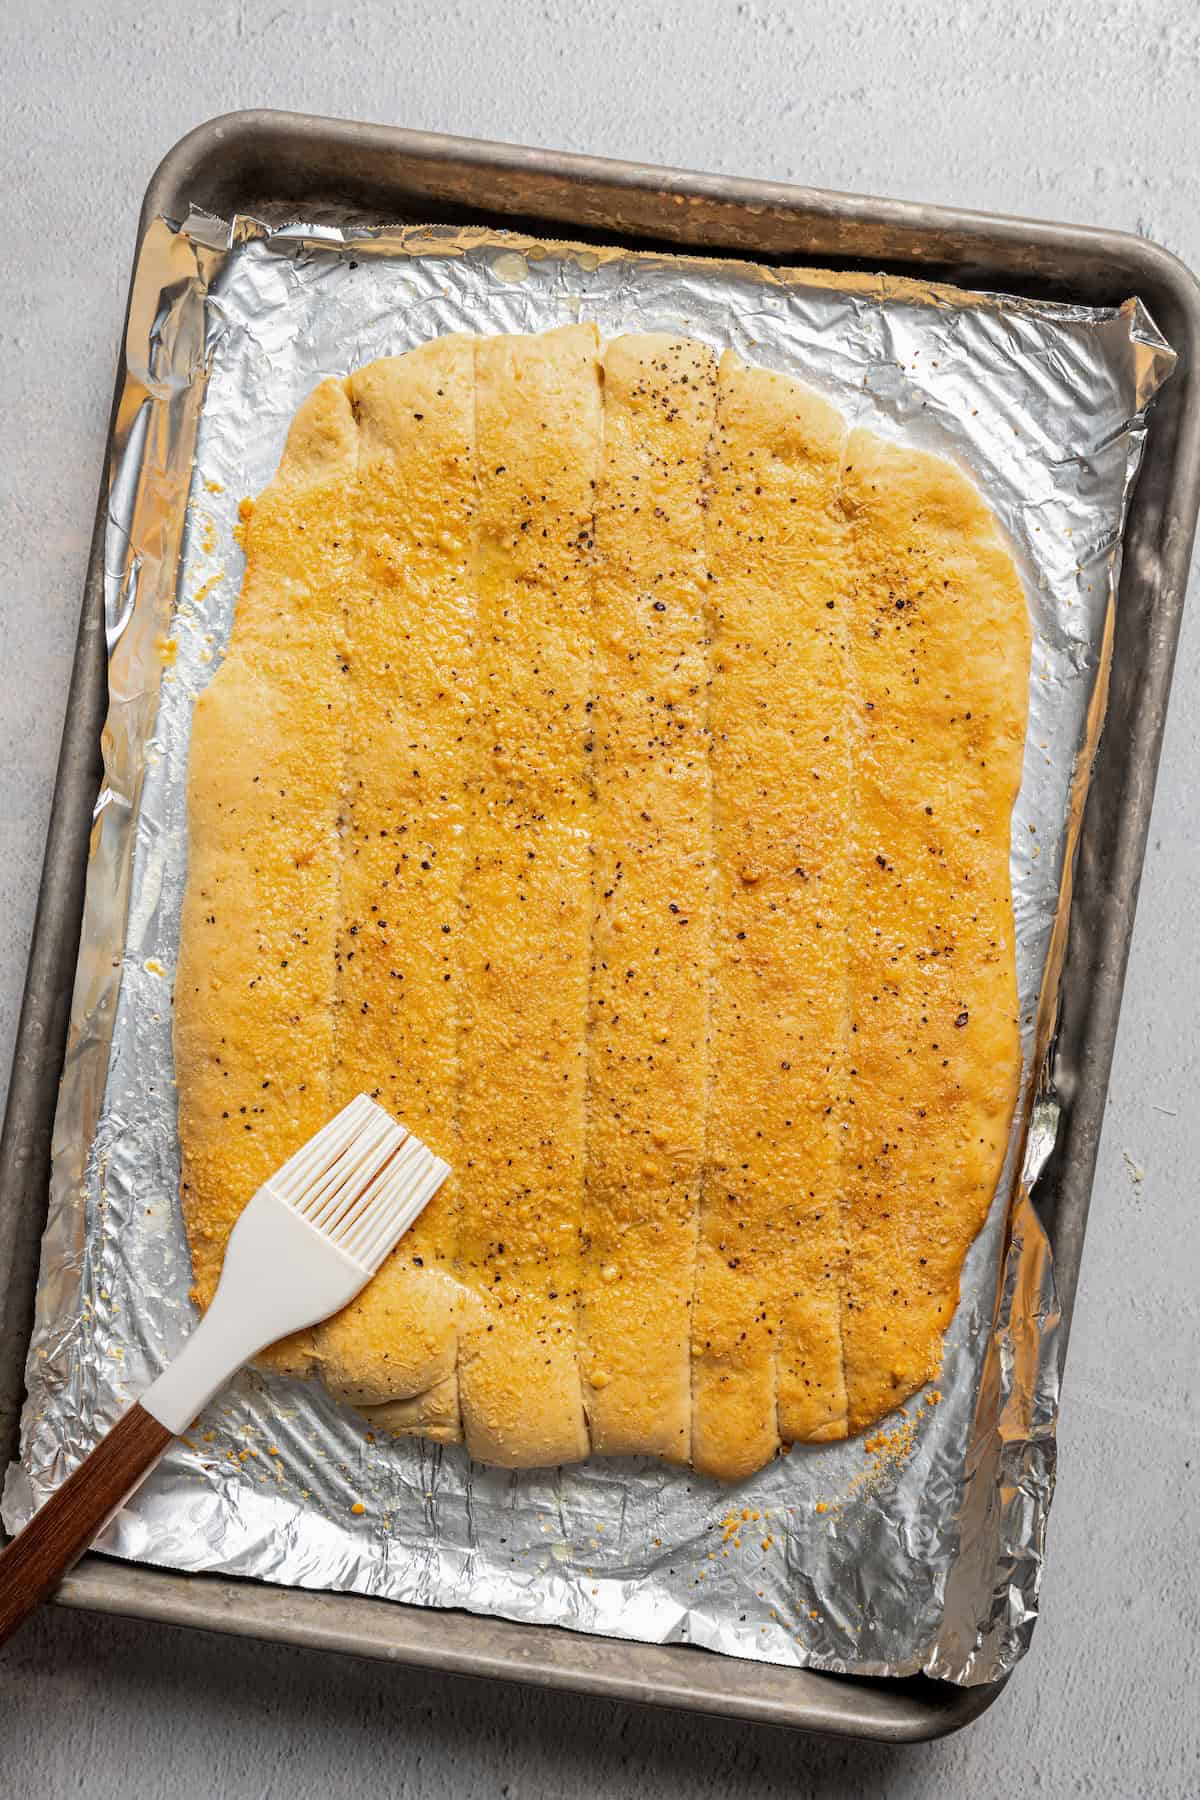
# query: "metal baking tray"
(285, 165)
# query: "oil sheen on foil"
(917, 1548)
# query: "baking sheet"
(926, 1551)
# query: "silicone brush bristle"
(361, 1181)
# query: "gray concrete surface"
(1085, 110)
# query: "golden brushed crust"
(941, 645)
(526, 912)
(612, 770)
(409, 661)
(767, 1363)
(647, 1070)
(254, 982)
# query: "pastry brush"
(311, 1237)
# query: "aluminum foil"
(919, 1549)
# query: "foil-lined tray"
(919, 1548)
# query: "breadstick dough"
(612, 771)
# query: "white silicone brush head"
(361, 1181)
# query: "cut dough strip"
(526, 923)
(254, 982)
(767, 1357)
(408, 667)
(650, 878)
(941, 646)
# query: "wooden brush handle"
(58, 1534)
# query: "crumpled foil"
(920, 1549)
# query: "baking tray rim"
(478, 1644)
(572, 169)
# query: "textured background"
(1084, 111)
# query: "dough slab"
(612, 771)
